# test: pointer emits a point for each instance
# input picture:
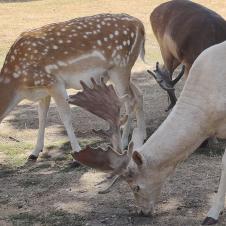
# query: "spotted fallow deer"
(183, 30)
(199, 113)
(44, 62)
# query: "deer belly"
(34, 94)
(72, 78)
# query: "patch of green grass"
(16, 153)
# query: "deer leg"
(139, 134)
(121, 79)
(127, 125)
(42, 114)
(218, 205)
(60, 97)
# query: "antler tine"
(157, 67)
(84, 86)
(176, 80)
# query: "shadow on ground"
(51, 192)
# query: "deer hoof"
(32, 158)
(209, 221)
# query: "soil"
(52, 192)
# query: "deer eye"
(136, 188)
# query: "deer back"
(192, 28)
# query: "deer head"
(129, 165)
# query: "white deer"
(44, 62)
(199, 113)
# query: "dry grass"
(20, 16)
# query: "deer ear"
(138, 158)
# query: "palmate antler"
(102, 101)
(164, 79)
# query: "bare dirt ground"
(50, 192)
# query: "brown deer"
(183, 30)
(44, 62)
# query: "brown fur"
(191, 26)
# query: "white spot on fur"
(12, 58)
(116, 33)
(99, 42)
(132, 34)
(111, 36)
(49, 68)
(16, 75)
(55, 47)
(37, 82)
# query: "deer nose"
(143, 213)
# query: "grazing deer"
(183, 30)
(199, 113)
(44, 62)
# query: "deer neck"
(181, 133)
(8, 96)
